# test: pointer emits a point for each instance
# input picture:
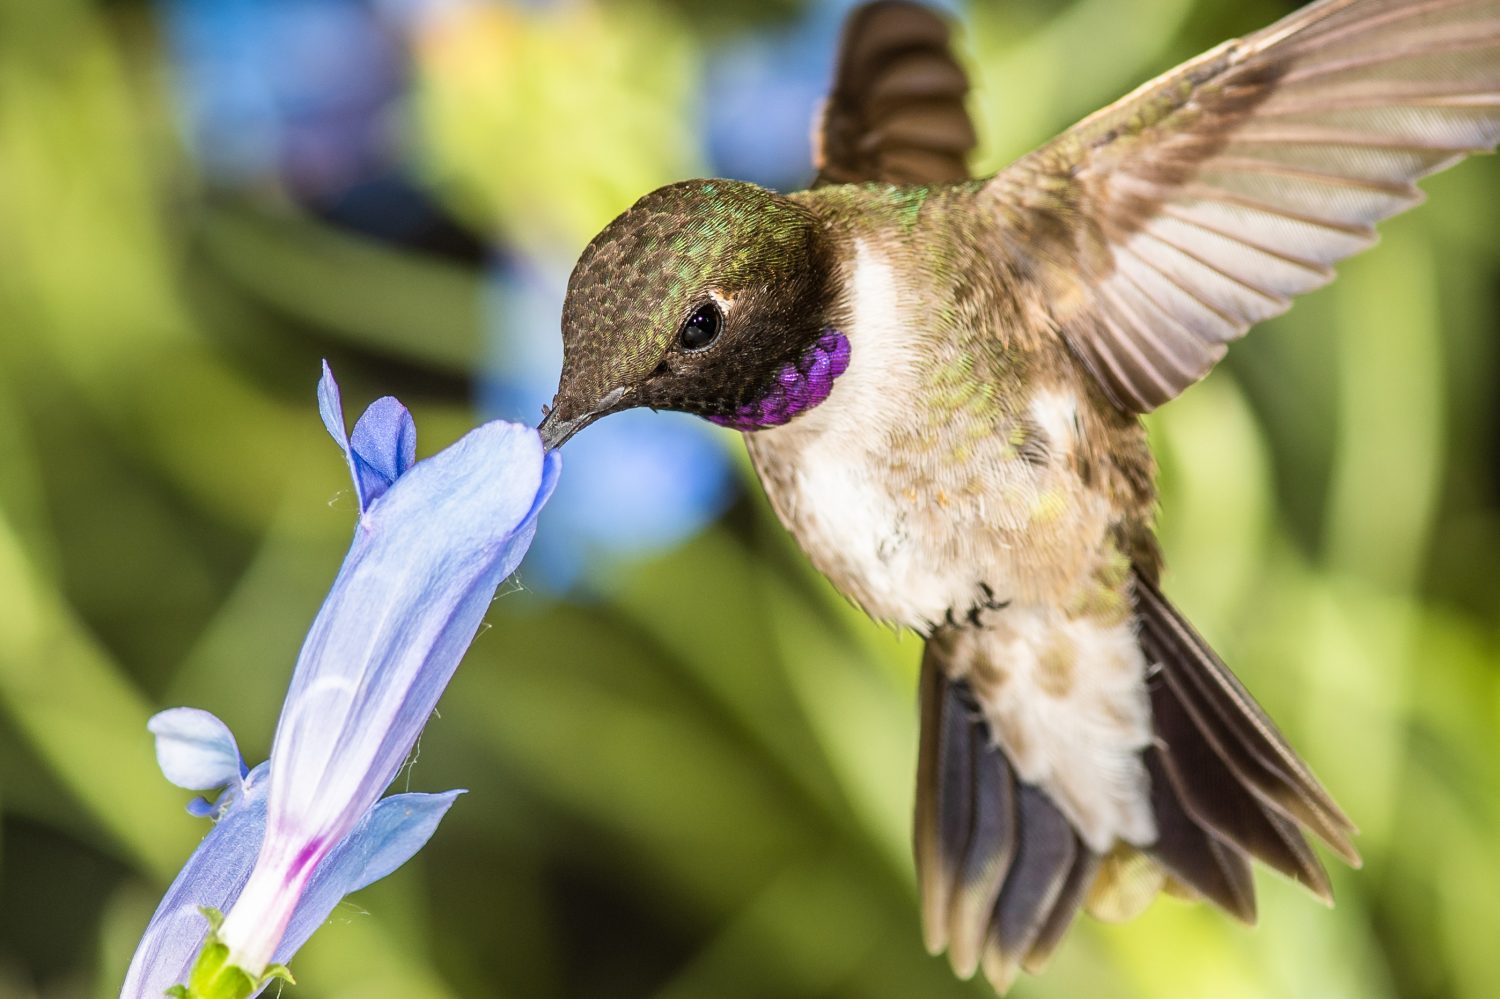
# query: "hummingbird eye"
(702, 327)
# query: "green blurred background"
(690, 763)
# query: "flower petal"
(213, 876)
(203, 808)
(384, 443)
(412, 592)
(551, 469)
(381, 449)
(390, 835)
(331, 408)
(195, 750)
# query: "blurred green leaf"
(375, 297)
(590, 102)
(83, 718)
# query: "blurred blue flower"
(665, 475)
(304, 91)
(434, 541)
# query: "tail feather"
(988, 854)
(1218, 871)
(965, 832)
(1085, 868)
(1003, 872)
(1212, 796)
(1045, 850)
(1230, 721)
(945, 795)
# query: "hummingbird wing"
(1165, 225)
(896, 113)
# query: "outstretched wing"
(1164, 226)
(896, 112)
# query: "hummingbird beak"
(556, 429)
(560, 424)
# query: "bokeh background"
(690, 763)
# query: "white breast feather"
(1056, 413)
(841, 504)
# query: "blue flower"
(293, 836)
(667, 475)
(395, 829)
(302, 90)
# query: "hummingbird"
(940, 380)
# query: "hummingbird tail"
(1226, 786)
(1001, 870)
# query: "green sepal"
(277, 971)
(213, 977)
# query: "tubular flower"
(293, 836)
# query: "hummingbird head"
(697, 299)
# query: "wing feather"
(896, 111)
(1166, 225)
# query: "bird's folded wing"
(896, 112)
(1164, 226)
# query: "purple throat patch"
(800, 385)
